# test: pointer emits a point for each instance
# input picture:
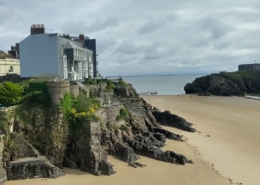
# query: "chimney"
(66, 36)
(17, 48)
(37, 29)
(82, 39)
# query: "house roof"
(4, 55)
(70, 44)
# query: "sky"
(148, 36)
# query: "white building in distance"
(8, 64)
(53, 54)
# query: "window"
(90, 58)
(64, 61)
(64, 73)
(11, 69)
(80, 74)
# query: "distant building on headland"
(244, 67)
(55, 54)
(9, 64)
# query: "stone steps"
(33, 167)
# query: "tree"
(10, 93)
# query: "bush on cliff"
(79, 109)
(242, 74)
(90, 81)
(124, 114)
(38, 97)
(110, 86)
(66, 103)
(10, 93)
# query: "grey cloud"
(216, 27)
(150, 26)
(153, 24)
(101, 24)
(134, 37)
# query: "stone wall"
(108, 115)
(57, 90)
(243, 67)
(13, 78)
(3, 176)
(24, 148)
(74, 90)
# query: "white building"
(8, 65)
(54, 54)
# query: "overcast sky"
(147, 36)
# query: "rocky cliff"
(226, 84)
(41, 140)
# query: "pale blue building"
(54, 54)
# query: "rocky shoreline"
(49, 137)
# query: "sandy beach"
(224, 151)
(229, 134)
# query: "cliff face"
(235, 83)
(42, 139)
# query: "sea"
(163, 85)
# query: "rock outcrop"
(40, 140)
(168, 119)
(85, 152)
(226, 84)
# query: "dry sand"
(230, 132)
(233, 147)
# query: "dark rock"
(132, 164)
(69, 163)
(139, 164)
(236, 84)
(125, 153)
(32, 168)
(172, 120)
(145, 145)
(87, 151)
(168, 134)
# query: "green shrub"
(66, 103)
(10, 93)
(79, 109)
(247, 74)
(124, 114)
(36, 86)
(90, 81)
(110, 86)
(37, 97)
(121, 82)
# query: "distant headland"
(238, 83)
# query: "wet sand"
(227, 147)
(155, 173)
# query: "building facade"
(8, 65)
(54, 54)
(91, 44)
